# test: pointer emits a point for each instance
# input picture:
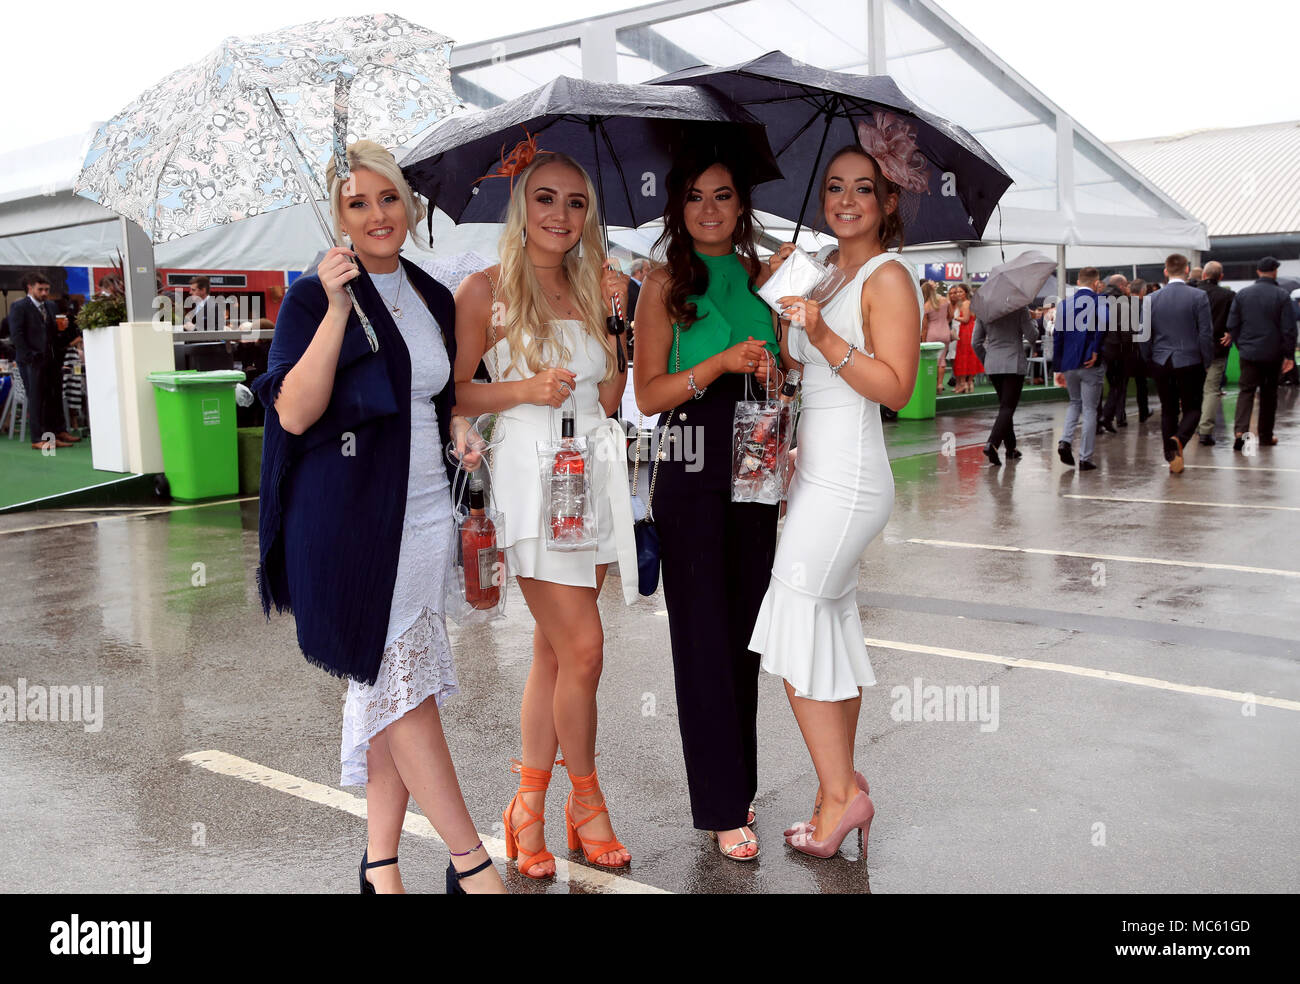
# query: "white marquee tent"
(1070, 189)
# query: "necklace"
(393, 305)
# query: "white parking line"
(1200, 565)
(1244, 468)
(1088, 671)
(225, 764)
(137, 511)
(1182, 502)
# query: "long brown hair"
(687, 274)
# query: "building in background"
(1072, 194)
(1243, 183)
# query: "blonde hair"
(527, 307)
(366, 155)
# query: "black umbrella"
(810, 113)
(624, 136)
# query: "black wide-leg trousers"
(716, 559)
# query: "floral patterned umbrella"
(251, 127)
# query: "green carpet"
(27, 474)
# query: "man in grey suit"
(1263, 327)
(1178, 349)
(32, 324)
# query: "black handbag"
(647, 537)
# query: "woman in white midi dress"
(859, 349)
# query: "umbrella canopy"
(952, 188)
(249, 128)
(1011, 286)
(624, 136)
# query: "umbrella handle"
(301, 170)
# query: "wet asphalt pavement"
(1138, 720)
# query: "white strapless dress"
(809, 630)
(516, 476)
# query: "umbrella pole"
(813, 178)
(614, 323)
(301, 170)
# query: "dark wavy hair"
(891, 226)
(687, 273)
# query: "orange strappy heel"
(530, 781)
(585, 786)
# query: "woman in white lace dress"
(356, 530)
(859, 349)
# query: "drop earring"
(580, 249)
(523, 236)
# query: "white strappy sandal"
(730, 852)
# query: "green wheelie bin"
(921, 405)
(196, 423)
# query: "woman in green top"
(703, 340)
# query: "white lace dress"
(417, 660)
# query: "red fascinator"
(516, 162)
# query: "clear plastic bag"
(476, 585)
(802, 276)
(762, 432)
(476, 589)
(568, 506)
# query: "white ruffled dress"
(808, 630)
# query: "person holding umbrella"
(1004, 333)
(355, 528)
(860, 349)
(538, 321)
(702, 333)
(1000, 345)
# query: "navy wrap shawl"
(333, 499)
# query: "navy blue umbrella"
(624, 136)
(952, 187)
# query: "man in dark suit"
(1220, 305)
(207, 315)
(1177, 348)
(32, 323)
(1116, 350)
(1263, 327)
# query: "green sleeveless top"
(728, 314)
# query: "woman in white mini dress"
(537, 321)
(860, 350)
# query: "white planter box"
(123, 420)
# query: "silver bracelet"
(848, 357)
(690, 384)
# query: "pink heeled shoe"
(858, 777)
(859, 815)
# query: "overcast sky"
(1129, 70)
